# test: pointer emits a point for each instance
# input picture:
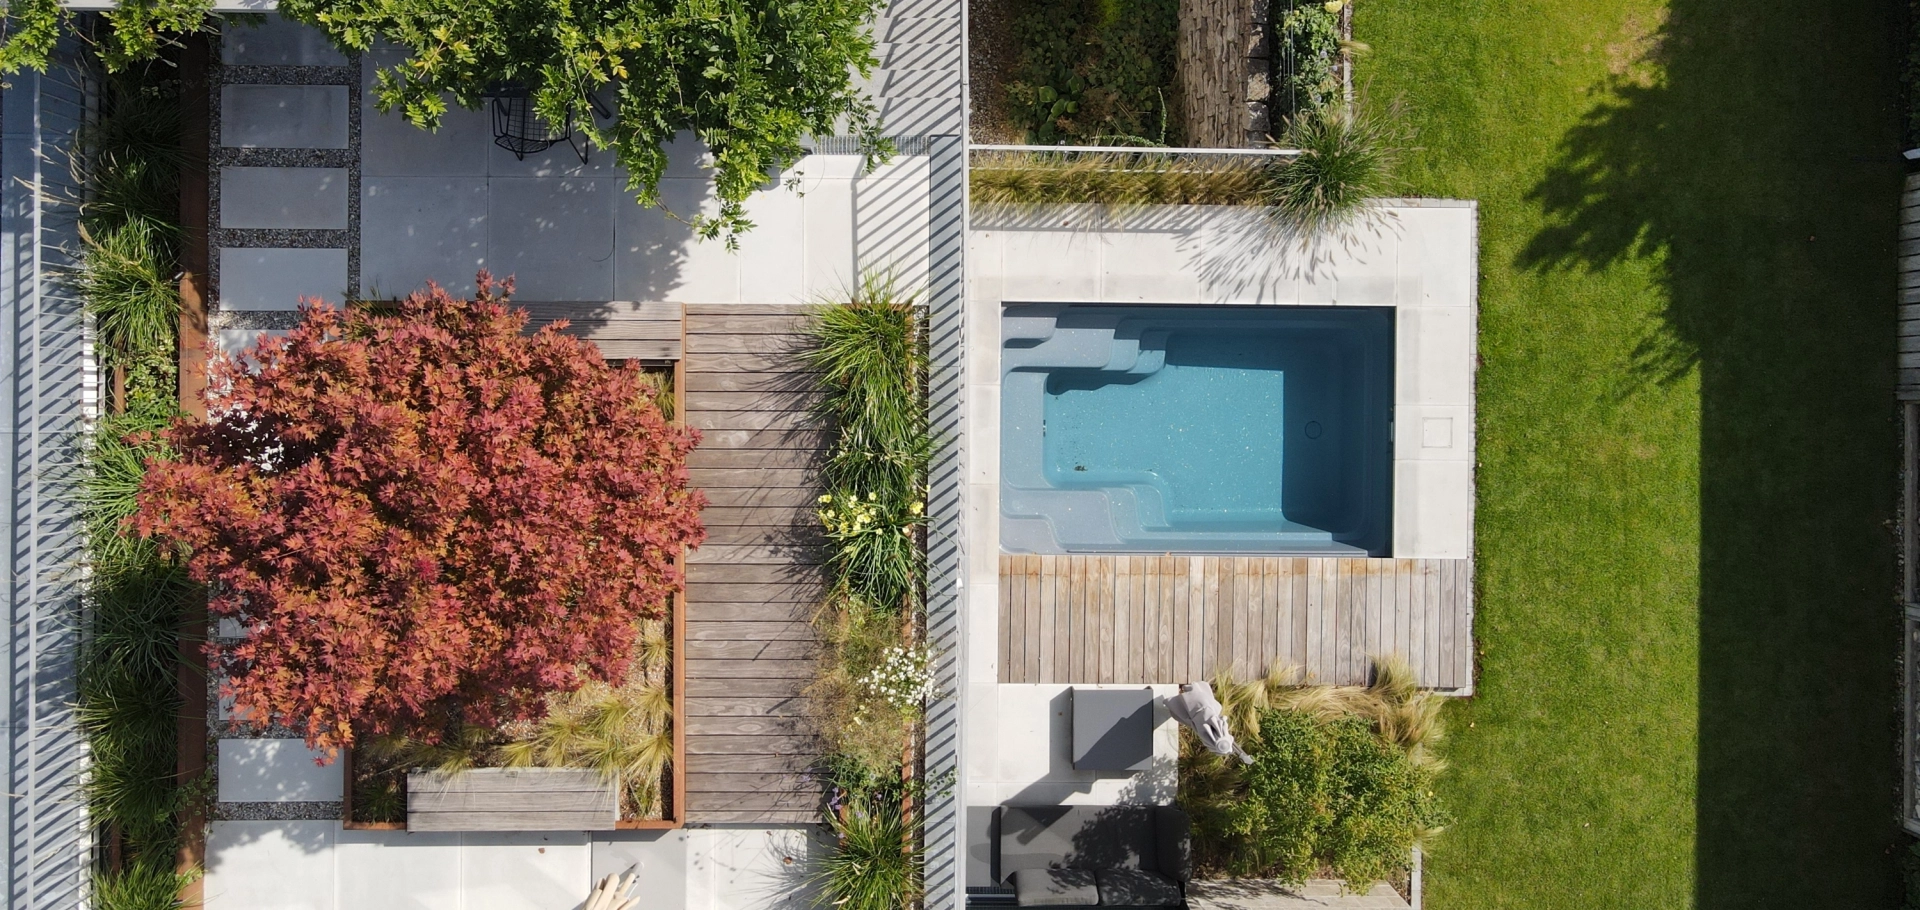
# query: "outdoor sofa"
(1092, 856)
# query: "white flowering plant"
(904, 678)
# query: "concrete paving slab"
(273, 865)
(283, 197)
(1263, 894)
(278, 279)
(658, 257)
(398, 870)
(416, 229)
(283, 116)
(554, 235)
(277, 41)
(658, 857)
(545, 870)
(391, 146)
(275, 770)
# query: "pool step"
(1091, 348)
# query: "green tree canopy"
(749, 78)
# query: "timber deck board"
(757, 581)
(1169, 619)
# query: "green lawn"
(1688, 446)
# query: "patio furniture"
(1090, 856)
(1112, 729)
(519, 129)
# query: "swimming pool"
(1196, 429)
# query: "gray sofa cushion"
(1079, 837)
(1134, 888)
(1055, 888)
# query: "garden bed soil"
(992, 51)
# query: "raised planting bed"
(512, 799)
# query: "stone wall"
(1221, 71)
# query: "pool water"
(1209, 429)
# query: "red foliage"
(424, 517)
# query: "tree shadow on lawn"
(1755, 149)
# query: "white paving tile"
(555, 236)
(828, 227)
(277, 865)
(524, 870)
(773, 254)
(1432, 509)
(278, 279)
(752, 868)
(1433, 359)
(283, 197)
(1134, 269)
(398, 870)
(1050, 266)
(283, 116)
(276, 41)
(416, 229)
(1430, 432)
(659, 258)
(658, 857)
(275, 770)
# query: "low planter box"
(512, 799)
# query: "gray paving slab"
(277, 42)
(275, 770)
(283, 116)
(392, 146)
(554, 235)
(283, 197)
(278, 279)
(415, 229)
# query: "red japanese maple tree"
(424, 517)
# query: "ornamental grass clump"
(876, 865)
(424, 518)
(1121, 180)
(1347, 157)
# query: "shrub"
(1325, 792)
(873, 679)
(1342, 778)
(424, 520)
(1306, 69)
(136, 31)
(1096, 72)
(128, 680)
(141, 886)
(751, 79)
(855, 723)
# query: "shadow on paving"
(1756, 151)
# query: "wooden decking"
(754, 585)
(621, 329)
(1171, 619)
